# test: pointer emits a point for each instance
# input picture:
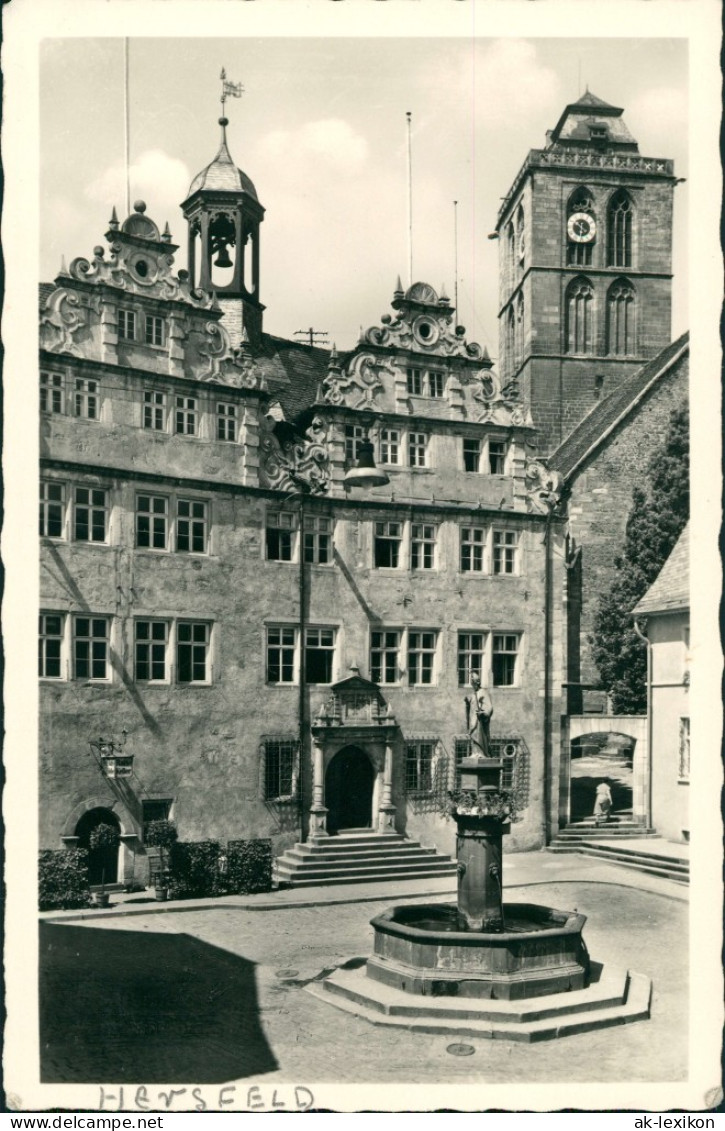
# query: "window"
(419, 766)
(497, 457)
(621, 319)
(155, 810)
(390, 445)
(505, 551)
(86, 398)
(51, 392)
(191, 525)
(154, 330)
(683, 768)
(50, 643)
(422, 545)
(384, 656)
(90, 514)
(152, 520)
(415, 382)
(510, 339)
(436, 384)
(519, 332)
(186, 416)
(52, 509)
(579, 305)
(417, 449)
(471, 653)
(473, 541)
(388, 538)
(318, 540)
(226, 422)
(619, 231)
(472, 455)
(150, 650)
(127, 324)
(319, 654)
(192, 652)
(505, 659)
(280, 536)
(281, 654)
(355, 434)
(421, 655)
(280, 768)
(154, 411)
(90, 647)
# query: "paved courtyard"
(217, 993)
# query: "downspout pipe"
(302, 704)
(642, 633)
(547, 679)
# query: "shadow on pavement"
(127, 1006)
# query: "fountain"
(482, 966)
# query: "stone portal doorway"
(102, 862)
(349, 783)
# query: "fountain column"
(386, 810)
(318, 812)
(482, 813)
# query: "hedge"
(63, 878)
(194, 870)
(249, 866)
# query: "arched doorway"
(601, 757)
(102, 862)
(349, 790)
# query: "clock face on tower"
(581, 227)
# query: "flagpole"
(455, 259)
(126, 130)
(410, 204)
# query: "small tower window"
(619, 231)
(621, 311)
(579, 307)
(519, 333)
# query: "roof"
(222, 175)
(607, 414)
(588, 99)
(670, 591)
(45, 290)
(293, 372)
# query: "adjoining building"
(285, 633)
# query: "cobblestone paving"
(308, 1040)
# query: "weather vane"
(235, 89)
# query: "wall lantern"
(107, 752)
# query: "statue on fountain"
(480, 728)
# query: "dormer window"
(598, 133)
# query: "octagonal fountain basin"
(422, 949)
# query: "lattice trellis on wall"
(426, 773)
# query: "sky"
(321, 131)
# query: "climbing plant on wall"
(660, 510)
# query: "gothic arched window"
(621, 319)
(520, 238)
(578, 251)
(510, 338)
(519, 332)
(510, 250)
(619, 230)
(579, 316)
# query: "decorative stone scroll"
(496, 404)
(358, 387)
(65, 316)
(294, 462)
(543, 487)
(139, 271)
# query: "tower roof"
(222, 175)
(592, 120)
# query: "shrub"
(249, 866)
(161, 834)
(103, 836)
(63, 878)
(194, 870)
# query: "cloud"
(162, 181)
(318, 148)
(512, 83)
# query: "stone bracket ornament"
(543, 487)
(295, 462)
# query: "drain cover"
(286, 973)
(460, 1050)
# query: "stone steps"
(617, 998)
(653, 863)
(359, 858)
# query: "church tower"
(224, 216)
(585, 266)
